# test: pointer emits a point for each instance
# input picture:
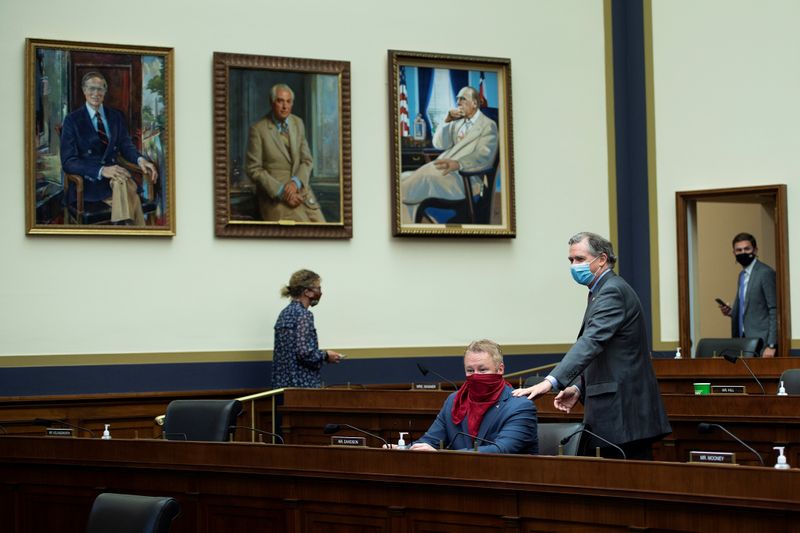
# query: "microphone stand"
(475, 440)
(595, 435)
(424, 371)
(733, 357)
(260, 432)
(704, 427)
(333, 428)
(47, 421)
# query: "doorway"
(707, 220)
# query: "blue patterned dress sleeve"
(297, 359)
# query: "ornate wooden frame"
(226, 222)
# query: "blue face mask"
(581, 272)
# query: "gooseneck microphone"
(704, 427)
(333, 428)
(475, 440)
(595, 435)
(47, 422)
(424, 371)
(732, 356)
(259, 432)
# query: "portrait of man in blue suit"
(93, 139)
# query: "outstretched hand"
(567, 398)
(535, 391)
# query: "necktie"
(741, 303)
(101, 130)
(464, 129)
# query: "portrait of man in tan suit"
(279, 162)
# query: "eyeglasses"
(95, 89)
(317, 288)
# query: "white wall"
(195, 292)
(727, 82)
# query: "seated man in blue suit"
(92, 138)
(483, 410)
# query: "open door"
(707, 220)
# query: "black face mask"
(745, 259)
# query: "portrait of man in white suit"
(469, 140)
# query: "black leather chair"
(550, 436)
(744, 346)
(129, 513)
(201, 420)
(791, 380)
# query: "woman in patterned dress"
(297, 359)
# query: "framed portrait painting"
(451, 145)
(99, 139)
(281, 147)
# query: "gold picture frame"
(452, 170)
(69, 179)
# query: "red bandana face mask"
(475, 397)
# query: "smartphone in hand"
(720, 302)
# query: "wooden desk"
(49, 484)
(678, 375)
(761, 421)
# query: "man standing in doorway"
(755, 309)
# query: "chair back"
(530, 381)
(550, 436)
(791, 380)
(130, 513)
(746, 346)
(203, 420)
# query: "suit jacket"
(622, 402)
(511, 424)
(476, 151)
(760, 306)
(82, 152)
(271, 166)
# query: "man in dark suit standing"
(609, 366)
(93, 137)
(755, 309)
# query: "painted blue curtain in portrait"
(420, 87)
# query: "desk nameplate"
(718, 458)
(348, 441)
(728, 389)
(59, 432)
